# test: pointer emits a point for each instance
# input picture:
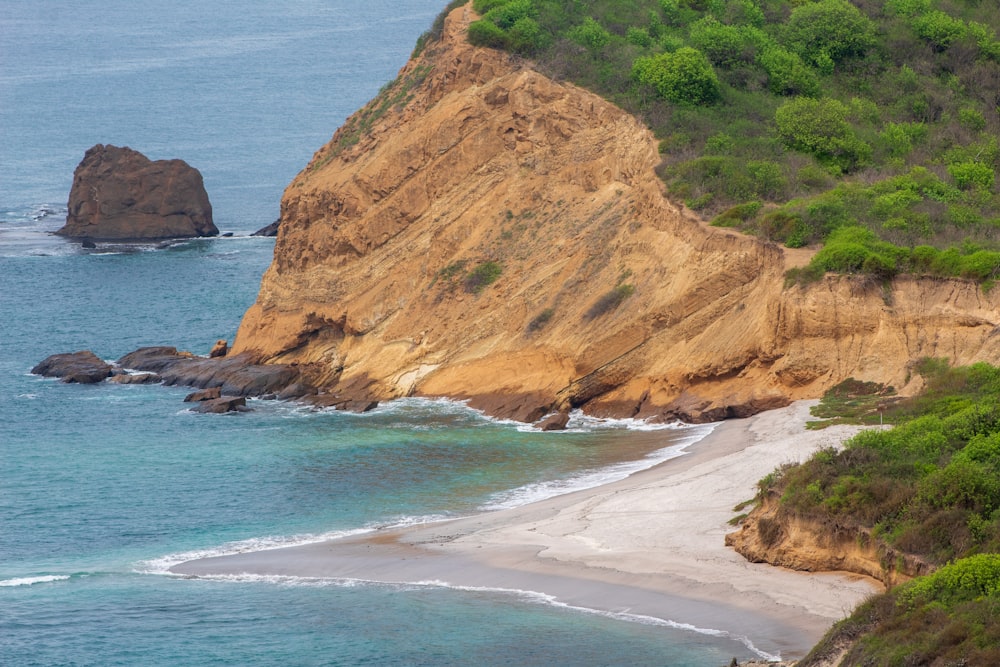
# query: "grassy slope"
(930, 486)
(820, 115)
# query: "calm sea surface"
(103, 487)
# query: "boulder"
(83, 367)
(221, 405)
(119, 194)
(203, 395)
(220, 349)
(269, 230)
(554, 422)
(138, 378)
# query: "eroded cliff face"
(610, 297)
(768, 535)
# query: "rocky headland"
(483, 232)
(119, 194)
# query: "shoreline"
(648, 547)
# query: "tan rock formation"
(769, 536)
(610, 297)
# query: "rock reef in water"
(119, 194)
(483, 232)
(82, 367)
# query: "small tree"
(829, 31)
(820, 127)
(683, 77)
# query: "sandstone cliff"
(769, 536)
(609, 297)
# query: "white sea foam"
(534, 597)
(626, 615)
(163, 564)
(588, 479)
(28, 581)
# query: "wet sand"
(650, 545)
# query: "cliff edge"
(480, 231)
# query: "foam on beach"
(589, 479)
(162, 564)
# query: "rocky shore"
(226, 380)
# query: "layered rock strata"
(768, 535)
(480, 231)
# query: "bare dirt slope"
(609, 297)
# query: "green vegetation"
(853, 402)
(954, 624)
(393, 95)
(929, 487)
(539, 321)
(482, 276)
(794, 119)
(610, 300)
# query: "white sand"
(648, 545)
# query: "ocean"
(103, 487)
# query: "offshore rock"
(555, 422)
(137, 378)
(119, 194)
(203, 395)
(83, 367)
(222, 405)
(234, 375)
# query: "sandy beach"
(649, 546)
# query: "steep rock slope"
(609, 297)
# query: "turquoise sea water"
(103, 487)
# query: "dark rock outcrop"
(138, 378)
(203, 395)
(269, 230)
(221, 405)
(83, 367)
(554, 422)
(220, 349)
(119, 194)
(235, 376)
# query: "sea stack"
(119, 194)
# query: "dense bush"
(820, 127)
(684, 76)
(931, 485)
(830, 113)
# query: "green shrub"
(590, 34)
(965, 579)
(538, 322)
(829, 31)
(610, 301)
(525, 36)
(939, 29)
(820, 127)
(683, 77)
(507, 14)
(971, 118)
(725, 45)
(787, 74)
(907, 7)
(972, 175)
(488, 34)
(483, 275)
(639, 37)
